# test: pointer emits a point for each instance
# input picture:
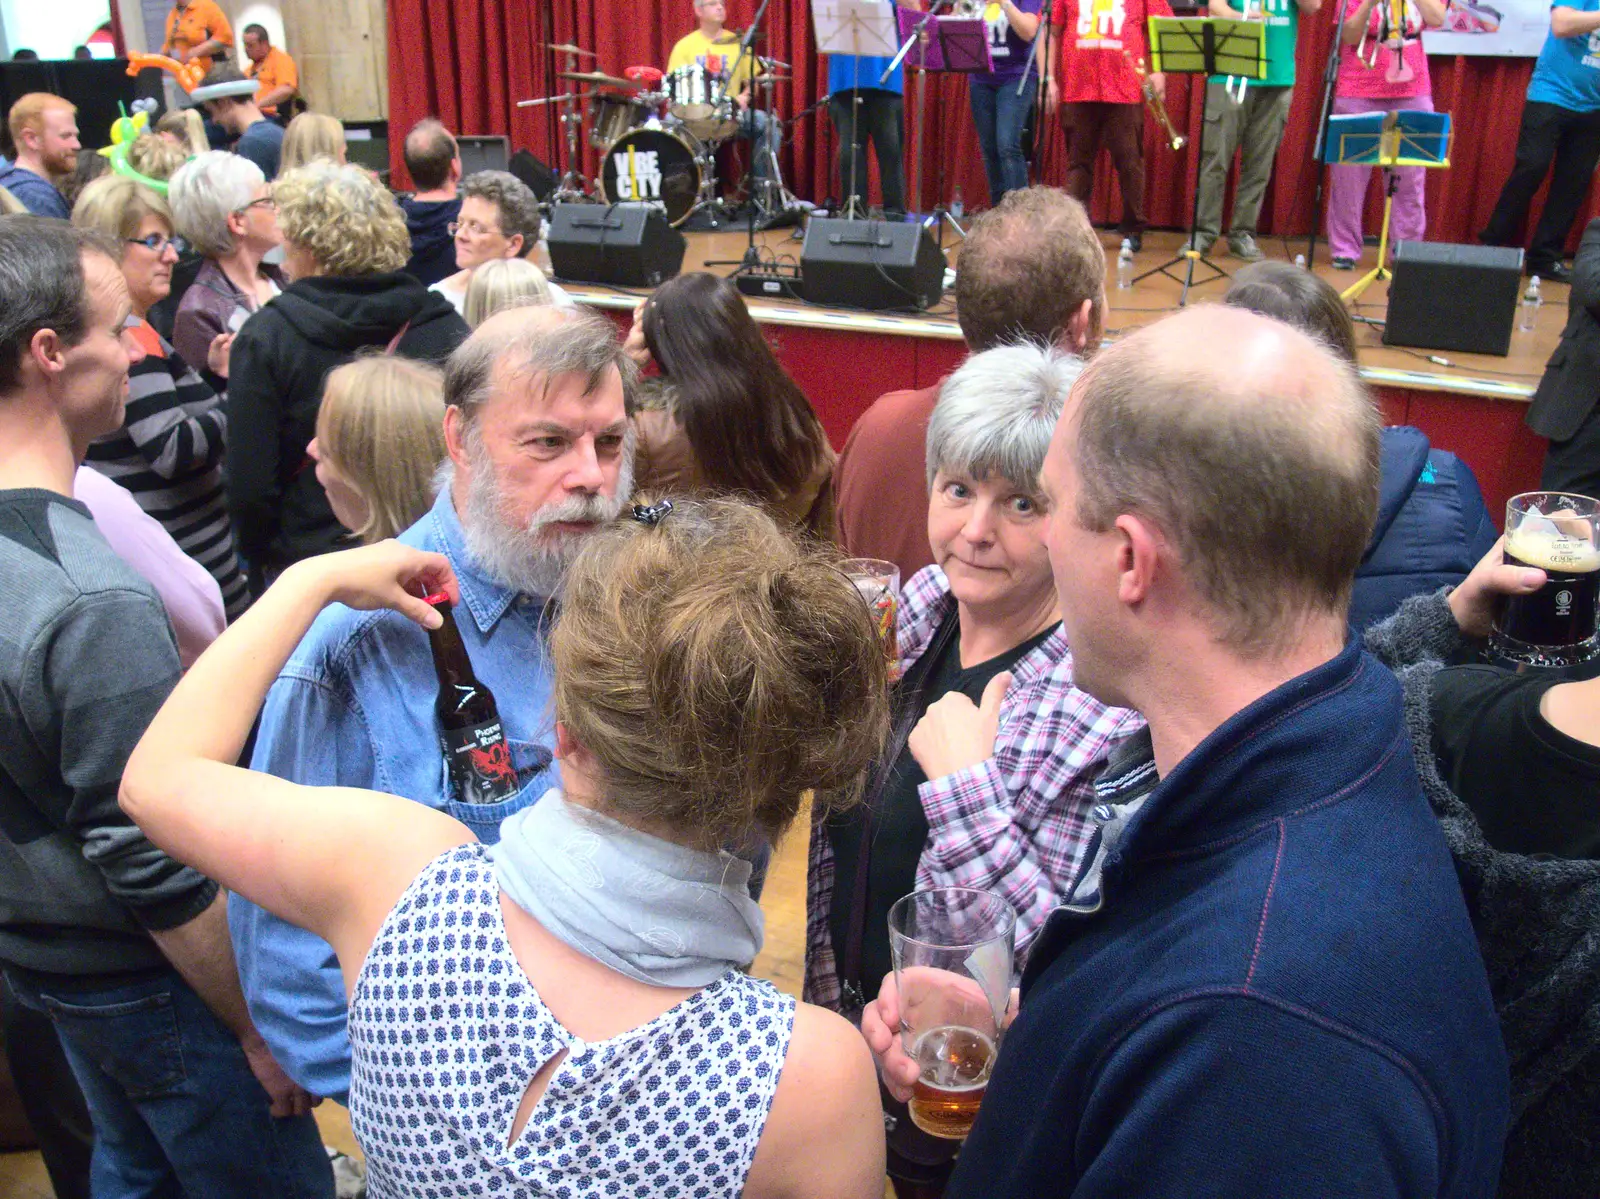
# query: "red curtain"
(469, 61)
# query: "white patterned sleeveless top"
(446, 1031)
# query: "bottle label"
(480, 763)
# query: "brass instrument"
(1157, 106)
(1391, 33)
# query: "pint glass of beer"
(952, 949)
(1555, 626)
(879, 584)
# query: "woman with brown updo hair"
(565, 1011)
(728, 419)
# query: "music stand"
(961, 47)
(1202, 46)
(859, 28)
(1406, 137)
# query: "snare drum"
(651, 166)
(691, 90)
(612, 113)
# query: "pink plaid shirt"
(1017, 823)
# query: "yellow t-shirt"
(201, 21)
(276, 70)
(718, 56)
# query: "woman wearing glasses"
(169, 450)
(499, 219)
(222, 205)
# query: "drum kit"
(657, 133)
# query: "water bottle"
(1530, 306)
(958, 206)
(1300, 261)
(1125, 265)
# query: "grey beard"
(526, 558)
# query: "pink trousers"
(1347, 188)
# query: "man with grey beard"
(537, 427)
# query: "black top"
(1533, 788)
(280, 361)
(899, 825)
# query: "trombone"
(1157, 106)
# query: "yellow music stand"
(1203, 46)
(1403, 138)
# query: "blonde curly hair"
(343, 217)
(154, 157)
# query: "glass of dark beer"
(1557, 625)
(952, 949)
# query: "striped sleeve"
(175, 422)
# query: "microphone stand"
(1330, 77)
(1041, 37)
(752, 259)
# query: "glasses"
(258, 202)
(471, 229)
(157, 244)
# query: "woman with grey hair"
(987, 777)
(223, 207)
(499, 219)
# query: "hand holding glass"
(952, 949)
(1556, 625)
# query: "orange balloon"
(187, 74)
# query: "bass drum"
(651, 166)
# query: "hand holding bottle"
(386, 575)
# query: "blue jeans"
(768, 131)
(176, 1110)
(999, 113)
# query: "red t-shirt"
(1100, 42)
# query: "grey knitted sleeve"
(1423, 629)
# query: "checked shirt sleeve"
(1019, 823)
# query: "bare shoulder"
(827, 1095)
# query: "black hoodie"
(433, 249)
(276, 372)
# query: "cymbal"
(569, 49)
(774, 79)
(599, 79)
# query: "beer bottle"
(470, 733)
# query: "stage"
(1471, 404)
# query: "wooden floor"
(22, 1175)
(1154, 297)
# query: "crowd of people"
(1184, 670)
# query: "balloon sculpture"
(124, 131)
(188, 74)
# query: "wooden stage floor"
(1512, 377)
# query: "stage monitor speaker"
(490, 153)
(535, 174)
(1452, 297)
(870, 264)
(628, 244)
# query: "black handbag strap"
(908, 709)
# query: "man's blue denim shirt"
(354, 708)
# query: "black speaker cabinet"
(1448, 297)
(870, 264)
(627, 244)
(539, 177)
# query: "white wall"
(52, 27)
(259, 12)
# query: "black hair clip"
(651, 514)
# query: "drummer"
(715, 48)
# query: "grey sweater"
(86, 658)
(1538, 924)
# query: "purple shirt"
(1007, 51)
